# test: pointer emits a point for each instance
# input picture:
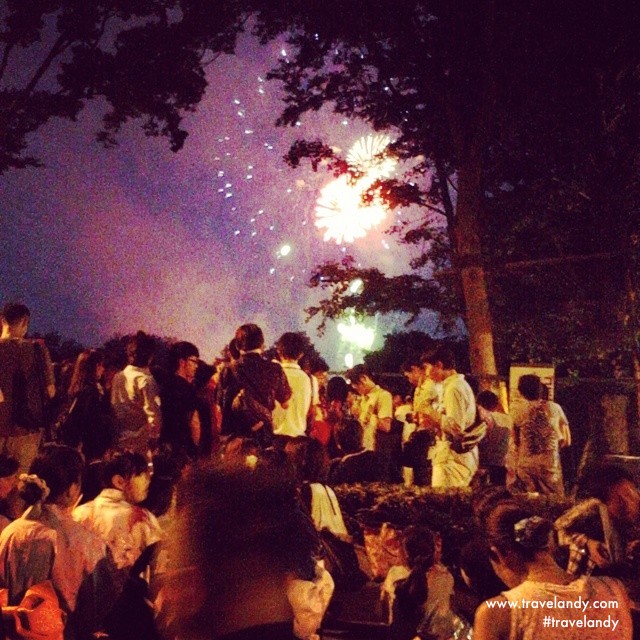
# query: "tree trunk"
(474, 283)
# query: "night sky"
(188, 245)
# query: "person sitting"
(521, 555)
(419, 593)
(45, 543)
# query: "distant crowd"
(196, 500)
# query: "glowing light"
(340, 210)
(366, 155)
(285, 250)
(356, 286)
(356, 333)
(341, 213)
(348, 360)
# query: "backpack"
(341, 561)
(66, 428)
(250, 417)
(132, 615)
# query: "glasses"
(194, 360)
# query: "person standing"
(27, 384)
(135, 398)
(179, 401)
(451, 422)
(540, 431)
(249, 388)
(292, 420)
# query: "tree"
(145, 58)
(516, 101)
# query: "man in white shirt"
(455, 415)
(135, 398)
(292, 420)
(375, 409)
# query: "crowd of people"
(190, 500)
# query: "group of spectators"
(214, 483)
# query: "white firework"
(340, 210)
(367, 156)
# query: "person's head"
(249, 337)
(184, 359)
(140, 349)
(360, 379)
(290, 346)
(488, 400)
(530, 387)
(439, 363)
(337, 389)
(308, 459)
(516, 539)
(237, 529)
(128, 472)
(55, 477)
(87, 371)
(232, 352)
(413, 370)
(8, 475)
(15, 320)
(613, 485)
(419, 546)
(477, 572)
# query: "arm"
(385, 412)
(492, 624)
(151, 406)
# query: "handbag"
(341, 561)
(37, 617)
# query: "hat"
(8, 465)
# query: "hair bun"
(532, 533)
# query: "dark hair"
(510, 527)
(474, 561)
(85, 371)
(290, 345)
(13, 312)
(355, 374)
(414, 360)
(123, 463)
(308, 459)
(8, 465)
(599, 480)
(412, 592)
(181, 351)
(140, 348)
(337, 389)
(249, 337)
(442, 354)
(530, 386)
(488, 400)
(59, 466)
(232, 350)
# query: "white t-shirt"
(292, 421)
(375, 406)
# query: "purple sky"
(100, 242)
